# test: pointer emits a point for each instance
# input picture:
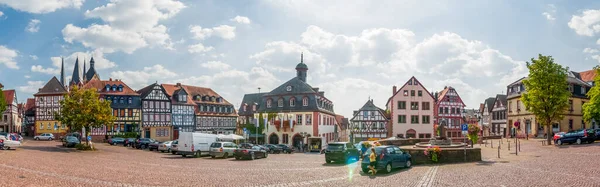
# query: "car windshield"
(71, 138)
(378, 150)
(118, 138)
(215, 145)
(175, 142)
(335, 147)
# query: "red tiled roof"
(445, 91)
(195, 90)
(100, 85)
(588, 76)
(9, 96)
(170, 89)
(30, 104)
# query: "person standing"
(373, 161)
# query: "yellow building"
(47, 103)
(525, 123)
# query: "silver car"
(165, 147)
(222, 149)
(45, 136)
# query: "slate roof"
(100, 87)
(75, 78)
(502, 99)
(489, 102)
(588, 76)
(53, 87)
(91, 72)
(172, 89)
(369, 106)
(298, 87)
(249, 100)
(146, 89)
(9, 96)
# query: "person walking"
(373, 161)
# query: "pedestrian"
(373, 161)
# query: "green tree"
(591, 109)
(473, 133)
(3, 103)
(82, 108)
(250, 126)
(547, 94)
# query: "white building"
(412, 110)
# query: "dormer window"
(122, 100)
(253, 108)
(288, 88)
(280, 102)
(293, 102)
(130, 100)
(583, 90)
(305, 101)
(114, 88)
(269, 102)
(120, 88)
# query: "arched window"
(130, 100)
(122, 100)
(120, 88)
(114, 87)
(305, 101)
(280, 102)
(107, 88)
(292, 101)
(269, 102)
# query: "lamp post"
(303, 134)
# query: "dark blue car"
(388, 158)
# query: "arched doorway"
(411, 133)
(273, 139)
(297, 140)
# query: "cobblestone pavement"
(45, 163)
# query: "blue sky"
(354, 49)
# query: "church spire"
(62, 72)
(76, 77)
(84, 79)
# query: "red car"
(558, 135)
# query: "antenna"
(258, 89)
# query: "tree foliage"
(547, 94)
(82, 108)
(591, 109)
(3, 104)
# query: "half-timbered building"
(47, 103)
(499, 115)
(369, 122)
(183, 111)
(449, 111)
(156, 113)
(214, 114)
(411, 110)
(29, 117)
(10, 121)
(125, 104)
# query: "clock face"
(289, 88)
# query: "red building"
(450, 111)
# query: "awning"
(256, 135)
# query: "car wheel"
(266, 155)
(226, 155)
(558, 142)
(114, 143)
(252, 157)
(271, 151)
(38, 139)
(237, 158)
(212, 156)
(365, 171)
(173, 152)
(197, 154)
(50, 139)
(327, 161)
(388, 168)
(408, 164)
(578, 141)
(183, 155)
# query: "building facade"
(369, 122)
(10, 121)
(29, 117)
(588, 77)
(449, 111)
(215, 115)
(412, 110)
(156, 113)
(183, 113)
(125, 104)
(525, 123)
(486, 116)
(499, 116)
(47, 103)
(249, 106)
(304, 114)
(343, 134)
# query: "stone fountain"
(441, 140)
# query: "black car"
(116, 140)
(273, 149)
(70, 141)
(153, 146)
(246, 145)
(143, 143)
(285, 148)
(597, 134)
(578, 137)
(253, 153)
(264, 148)
(341, 152)
(129, 142)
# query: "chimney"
(110, 79)
(178, 84)
(395, 90)
(39, 89)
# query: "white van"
(197, 144)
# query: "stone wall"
(413, 141)
(448, 155)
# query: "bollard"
(485, 143)
(519, 145)
(498, 151)
(509, 146)
(516, 149)
(492, 143)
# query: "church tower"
(301, 69)
(62, 72)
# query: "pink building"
(412, 110)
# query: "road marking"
(72, 178)
(304, 183)
(427, 180)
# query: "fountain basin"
(450, 145)
(448, 155)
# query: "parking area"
(46, 163)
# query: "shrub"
(84, 147)
(433, 153)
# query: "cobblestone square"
(46, 163)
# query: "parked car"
(129, 142)
(70, 141)
(273, 149)
(143, 143)
(597, 134)
(578, 137)
(264, 148)
(197, 144)
(174, 147)
(75, 134)
(388, 158)
(558, 135)
(10, 142)
(286, 149)
(246, 145)
(154, 146)
(165, 146)
(222, 149)
(342, 152)
(253, 153)
(116, 140)
(44, 136)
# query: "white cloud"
(241, 19)
(33, 57)
(590, 50)
(551, 11)
(224, 31)
(31, 87)
(130, 25)
(50, 71)
(586, 24)
(142, 78)
(199, 48)
(216, 65)
(56, 62)
(1, 13)
(27, 76)
(33, 26)
(7, 57)
(40, 7)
